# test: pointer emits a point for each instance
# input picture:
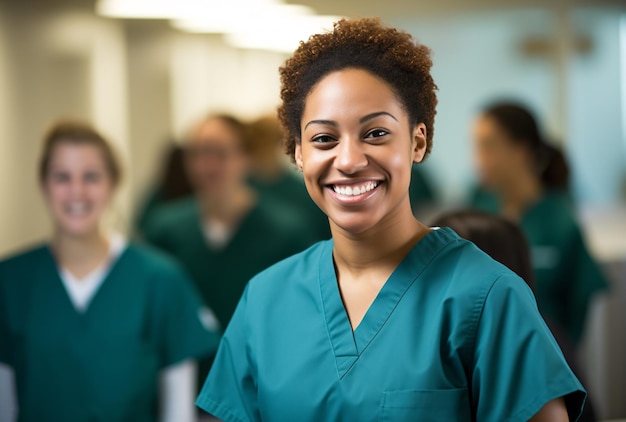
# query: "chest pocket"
(426, 405)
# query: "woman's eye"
(60, 177)
(376, 133)
(92, 177)
(323, 139)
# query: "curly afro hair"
(388, 53)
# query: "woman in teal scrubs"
(92, 327)
(525, 179)
(388, 320)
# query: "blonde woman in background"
(91, 326)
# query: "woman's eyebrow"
(361, 120)
(377, 114)
(322, 122)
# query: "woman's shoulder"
(462, 270)
(150, 262)
(26, 258)
(300, 268)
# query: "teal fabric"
(566, 276)
(101, 364)
(452, 336)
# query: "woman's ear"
(419, 142)
(298, 156)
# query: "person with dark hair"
(505, 242)
(91, 325)
(389, 319)
(525, 179)
(271, 177)
(173, 184)
(225, 233)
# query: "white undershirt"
(216, 233)
(82, 290)
(177, 382)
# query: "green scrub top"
(421, 192)
(262, 239)
(102, 364)
(452, 336)
(289, 194)
(566, 276)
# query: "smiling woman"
(88, 322)
(388, 320)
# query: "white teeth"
(356, 190)
(77, 208)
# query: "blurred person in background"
(90, 325)
(421, 192)
(505, 242)
(172, 184)
(226, 232)
(526, 180)
(271, 176)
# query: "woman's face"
(214, 160)
(77, 187)
(357, 149)
(498, 160)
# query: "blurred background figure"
(525, 179)
(505, 242)
(275, 178)
(172, 184)
(226, 233)
(92, 327)
(424, 198)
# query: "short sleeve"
(186, 327)
(518, 367)
(587, 279)
(230, 392)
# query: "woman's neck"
(229, 208)
(80, 255)
(382, 247)
(520, 195)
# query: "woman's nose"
(351, 156)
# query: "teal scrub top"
(101, 364)
(289, 195)
(452, 336)
(566, 276)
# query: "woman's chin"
(354, 225)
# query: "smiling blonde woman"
(388, 320)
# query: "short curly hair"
(388, 53)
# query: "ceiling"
(391, 9)
(386, 9)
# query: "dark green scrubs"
(421, 192)
(102, 364)
(291, 197)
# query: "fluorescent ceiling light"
(284, 37)
(254, 24)
(171, 9)
(232, 19)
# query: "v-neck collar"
(347, 344)
(58, 280)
